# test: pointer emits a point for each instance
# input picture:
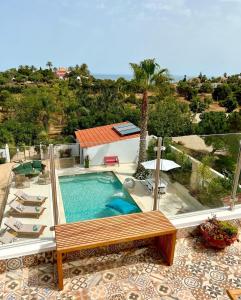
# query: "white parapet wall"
(126, 150)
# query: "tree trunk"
(143, 135)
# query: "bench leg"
(60, 271)
(166, 245)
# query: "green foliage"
(234, 120)
(206, 87)
(230, 103)
(228, 228)
(35, 98)
(208, 100)
(197, 106)
(213, 122)
(170, 118)
(211, 194)
(186, 89)
(6, 136)
(222, 92)
(182, 174)
(228, 145)
(22, 133)
(151, 153)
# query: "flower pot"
(213, 242)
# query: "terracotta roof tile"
(101, 135)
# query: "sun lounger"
(31, 230)
(150, 184)
(7, 238)
(28, 199)
(20, 210)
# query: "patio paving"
(135, 274)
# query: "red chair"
(111, 160)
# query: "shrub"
(2, 160)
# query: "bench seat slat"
(106, 231)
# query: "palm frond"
(149, 66)
(139, 74)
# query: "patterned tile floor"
(136, 274)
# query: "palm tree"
(49, 64)
(146, 74)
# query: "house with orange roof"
(61, 72)
(120, 139)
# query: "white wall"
(126, 150)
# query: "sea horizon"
(130, 76)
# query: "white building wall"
(126, 150)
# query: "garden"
(208, 176)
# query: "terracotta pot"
(216, 243)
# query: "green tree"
(6, 136)
(49, 65)
(197, 106)
(234, 120)
(206, 87)
(170, 118)
(146, 74)
(222, 92)
(213, 122)
(185, 89)
(230, 103)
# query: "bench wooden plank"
(234, 294)
(113, 230)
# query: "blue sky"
(186, 36)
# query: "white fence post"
(7, 153)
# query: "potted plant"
(2, 160)
(87, 161)
(218, 234)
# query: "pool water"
(85, 196)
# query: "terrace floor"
(45, 219)
(135, 274)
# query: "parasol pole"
(157, 173)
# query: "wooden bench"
(113, 230)
(111, 160)
(234, 294)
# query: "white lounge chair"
(27, 199)
(20, 210)
(31, 230)
(150, 184)
(7, 238)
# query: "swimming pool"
(85, 196)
